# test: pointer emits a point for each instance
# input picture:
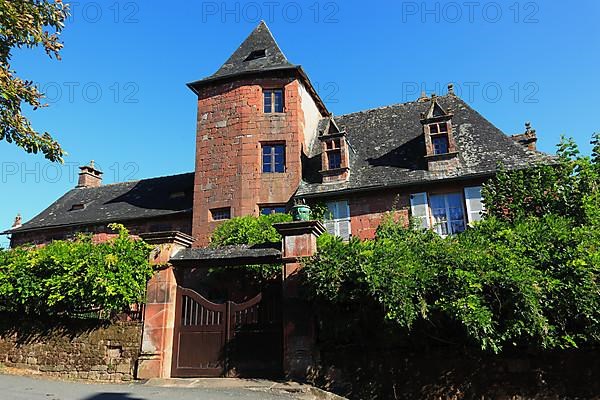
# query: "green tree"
(27, 24)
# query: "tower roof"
(258, 52)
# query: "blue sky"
(119, 95)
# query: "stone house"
(265, 139)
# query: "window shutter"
(474, 204)
(419, 209)
(344, 220)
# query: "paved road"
(28, 388)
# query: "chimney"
(528, 139)
(18, 222)
(89, 176)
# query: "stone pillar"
(299, 240)
(159, 312)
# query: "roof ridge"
(387, 106)
(136, 181)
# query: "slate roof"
(240, 62)
(230, 255)
(147, 198)
(388, 148)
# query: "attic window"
(256, 54)
(77, 207)
(177, 195)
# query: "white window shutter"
(330, 227)
(419, 209)
(474, 203)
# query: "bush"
(526, 275)
(250, 230)
(75, 276)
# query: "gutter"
(390, 186)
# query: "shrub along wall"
(83, 349)
(511, 307)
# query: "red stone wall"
(231, 128)
(368, 209)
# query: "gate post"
(159, 312)
(299, 240)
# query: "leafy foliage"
(250, 230)
(73, 276)
(26, 23)
(526, 275)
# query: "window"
(337, 219)
(334, 154)
(273, 100)
(256, 54)
(77, 207)
(219, 214)
(440, 144)
(335, 159)
(268, 210)
(447, 213)
(273, 156)
(441, 127)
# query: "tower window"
(256, 54)
(273, 100)
(220, 214)
(273, 158)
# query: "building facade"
(265, 139)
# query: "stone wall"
(83, 349)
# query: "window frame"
(273, 207)
(440, 136)
(271, 94)
(341, 214)
(273, 157)
(448, 219)
(214, 212)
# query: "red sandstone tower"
(257, 116)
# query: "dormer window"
(273, 100)
(441, 151)
(256, 54)
(333, 153)
(77, 207)
(440, 144)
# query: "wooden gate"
(229, 339)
